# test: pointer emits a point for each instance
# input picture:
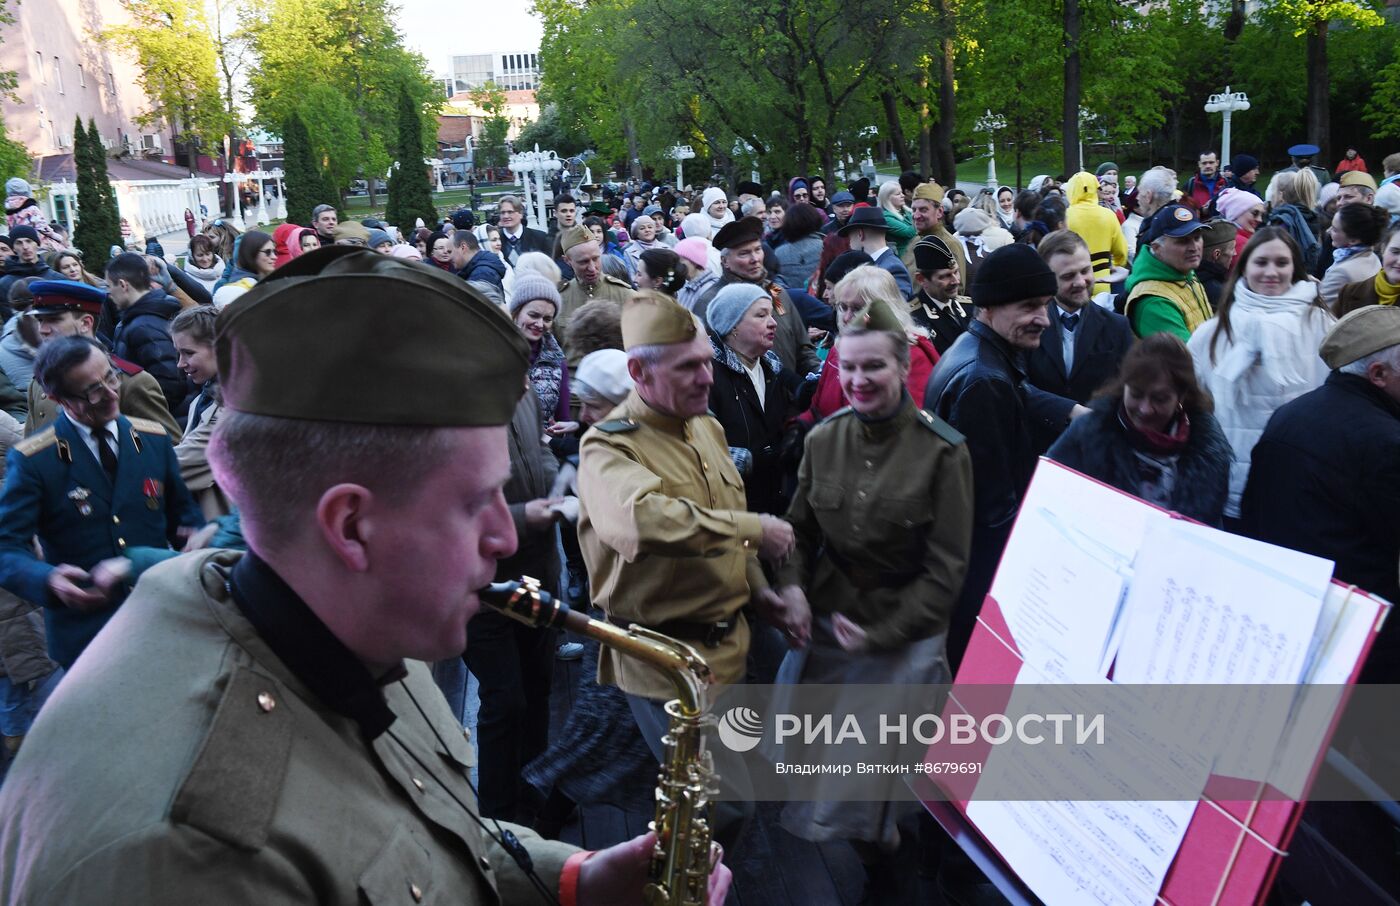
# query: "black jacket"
(979, 387)
(17, 271)
(1100, 342)
(944, 326)
(1212, 277)
(485, 267)
(143, 337)
(1325, 479)
(530, 241)
(755, 429)
(1097, 444)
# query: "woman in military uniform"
(883, 524)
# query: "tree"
(338, 143)
(1313, 19)
(410, 194)
(350, 48)
(14, 159)
(174, 53)
(99, 224)
(553, 132)
(491, 148)
(305, 181)
(1383, 111)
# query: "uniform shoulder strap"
(128, 367)
(147, 426)
(938, 426)
(232, 789)
(618, 426)
(36, 442)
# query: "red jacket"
(829, 398)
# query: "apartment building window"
(111, 83)
(58, 75)
(39, 61)
(82, 77)
(53, 135)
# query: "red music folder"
(1239, 832)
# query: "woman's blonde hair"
(887, 189)
(870, 283)
(1300, 190)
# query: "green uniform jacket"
(883, 517)
(575, 295)
(664, 532)
(182, 762)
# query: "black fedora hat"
(866, 218)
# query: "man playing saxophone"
(259, 728)
(663, 525)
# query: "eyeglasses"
(800, 194)
(96, 393)
(269, 252)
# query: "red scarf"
(1162, 444)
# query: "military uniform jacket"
(140, 396)
(665, 535)
(883, 518)
(944, 325)
(188, 762)
(56, 489)
(574, 296)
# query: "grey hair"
(1159, 181)
(1389, 357)
(648, 354)
(754, 207)
(616, 268)
(514, 201)
(587, 393)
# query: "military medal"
(79, 496)
(151, 488)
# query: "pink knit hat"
(694, 250)
(1232, 203)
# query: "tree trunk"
(947, 98)
(925, 116)
(901, 148)
(634, 152)
(1319, 114)
(1073, 85)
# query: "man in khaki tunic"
(260, 728)
(589, 282)
(662, 522)
(63, 308)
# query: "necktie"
(1069, 322)
(105, 454)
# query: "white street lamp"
(681, 153)
(990, 124)
(260, 175)
(234, 179)
(535, 163)
(277, 174)
(1226, 103)
(1085, 116)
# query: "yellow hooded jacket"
(1097, 225)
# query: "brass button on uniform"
(705, 466)
(116, 520)
(121, 542)
(418, 783)
(485, 863)
(861, 495)
(266, 701)
(416, 892)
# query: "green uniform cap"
(344, 334)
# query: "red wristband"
(568, 878)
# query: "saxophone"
(684, 854)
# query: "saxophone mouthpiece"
(525, 601)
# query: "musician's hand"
(617, 875)
(795, 615)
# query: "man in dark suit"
(865, 231)
(1085, 343)
(516, 238)
(90, 486)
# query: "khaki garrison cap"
(1360, 333)
(929, 191)
(575, 235)
(344, 334)
(651, 318)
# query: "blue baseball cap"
(52, 297)
(1174, 220)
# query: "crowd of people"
(791, 428)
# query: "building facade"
(510, 70)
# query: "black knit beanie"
(1013, 273)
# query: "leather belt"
(708, 634)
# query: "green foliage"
(552, 132)
(305, 181)
(99, 224)
(339, 64)
(174, 51)
(410, 193)
(14, 159)
(491, 148)
(1383, 109)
